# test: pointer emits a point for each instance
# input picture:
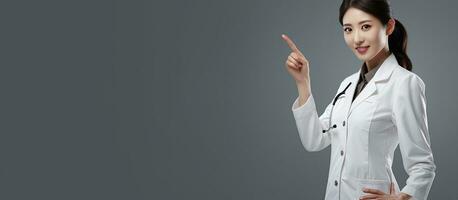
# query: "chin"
(365, 57)
(361, 57)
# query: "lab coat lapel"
(368, 91)
(350, 92)
(383, 73)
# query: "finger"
(303, 59)
(291, 59)
(292, 65)
(373, 191)
(392, 188)
(369, 196)
(296, 58)
(300, 58)
(291, 44)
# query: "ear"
(390, 26)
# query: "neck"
(378, 59)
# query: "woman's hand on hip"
(379, 195)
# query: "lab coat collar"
(383, 73)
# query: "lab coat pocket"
(382, 185)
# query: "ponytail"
(397, 42)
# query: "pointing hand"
(296, 63)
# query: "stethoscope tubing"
(332, 108)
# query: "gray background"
(190, 99)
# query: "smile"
(362, 50)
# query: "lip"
(362, 49)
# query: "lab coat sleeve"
(410, 118)
(310, 126)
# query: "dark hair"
(397, 41)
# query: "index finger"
(290, 43)
(373, 191)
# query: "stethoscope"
(332, 108)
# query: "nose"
(358, 39)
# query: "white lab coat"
(390, 110)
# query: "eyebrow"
(368, 20)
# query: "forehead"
(354, 16)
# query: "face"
(364, 34)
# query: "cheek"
(378, 39)
(348, 41)
(383, 38)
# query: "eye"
(366, 25)
(345, 29)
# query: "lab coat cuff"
(415, 193)
(306, 109)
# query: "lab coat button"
(335, 182)
(341, 152)
(343, 123)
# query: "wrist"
(303, 82)
(304, 92)
(303, 87)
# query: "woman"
(375, 109)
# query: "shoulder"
(404, 79)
